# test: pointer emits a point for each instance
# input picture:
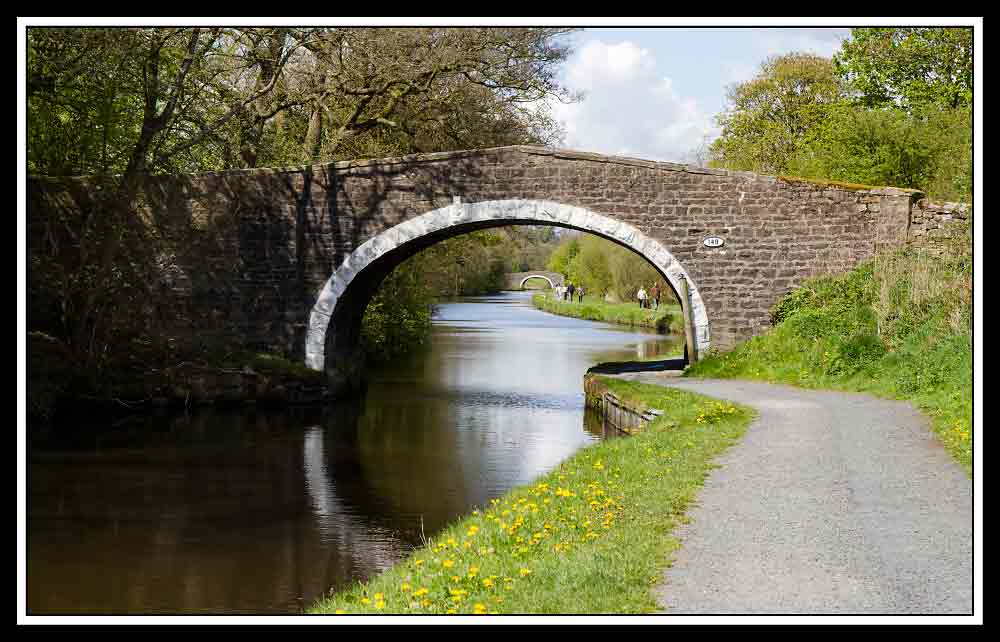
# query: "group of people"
(651, 299)
(566, 292)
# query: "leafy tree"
(564, 253)
(908, 67)
(589, 266)
(770, 115)
(930, 149)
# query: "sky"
(653, 93)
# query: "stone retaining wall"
(618, 413)
(935, 226)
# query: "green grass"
(897, 327)
(593, 308)
(592, 536)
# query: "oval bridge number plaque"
(714, 241)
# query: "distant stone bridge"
(516, 280)
(287, 259)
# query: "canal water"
(254, 511)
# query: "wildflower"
(447, 563)
(339, 612)
(488, 583)
(479, 608)
(418, 562)
(525, 572)
(420, 591)
(380, 605)
(365, 600)
(473, 570)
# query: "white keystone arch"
(458, 214)
(537, 276)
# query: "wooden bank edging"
(622, 416)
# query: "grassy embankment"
(589, 537)
(898, 327)
(596, 309)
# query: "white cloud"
(823, 42)
(630, 107)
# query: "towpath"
(832, 503)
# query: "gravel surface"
(832, 503)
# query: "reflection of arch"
(536, 276)
(375, 258)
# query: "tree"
(770, 114)
(908, 67)
(121, 103)
(563, 254)
(928, 149)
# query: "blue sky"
(654, 92)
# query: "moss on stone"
(822, 182)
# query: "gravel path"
(832, 503)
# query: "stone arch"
(536, 276)
(405, 239)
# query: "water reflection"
(257, 511)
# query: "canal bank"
(591, 536)
(666, 319)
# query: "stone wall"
(253, 248)
(935, 226)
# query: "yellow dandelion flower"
(420, 591)
(339, 612)
(479, 608)
(448, 563)
(404, 587)
(525, 572)
(380, 605)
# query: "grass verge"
(592, 536)
(592, 308)
(898, 327)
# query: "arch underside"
(347, 292)
(536, 276)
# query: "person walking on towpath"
(655, 293)
(579, 293)
(641, 294)
(570, 289)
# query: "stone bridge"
(516, 280)
(286, 260)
